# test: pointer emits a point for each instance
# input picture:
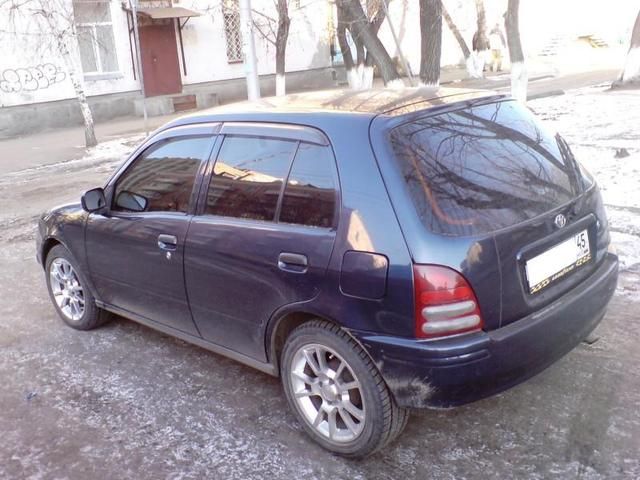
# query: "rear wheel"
(337, 392)
(70, 293)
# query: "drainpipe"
(249, 50)
(136, 37)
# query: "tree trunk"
(360, 61)
(480, 39)
(367, 71)
(282, 36)
(430, 41)
(631, 72)
(72, 70)
(456, 33)
(469, 61)
(360, 28)
(518, 68)
(347, 56)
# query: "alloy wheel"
(67, 290)
(328, 393)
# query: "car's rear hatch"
(498, 198)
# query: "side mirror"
(93, 200)
(131, 201)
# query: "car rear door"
(264, 231)
(135, 250)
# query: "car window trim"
(285, 181)
(283, 131)
(249, 129)
(212, 128)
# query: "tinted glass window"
(482, 168)
(162, 178)
(247, 177)
(310, 194)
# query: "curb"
(551, 93)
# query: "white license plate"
(558, 261)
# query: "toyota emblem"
(560, 220)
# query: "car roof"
(368, 103)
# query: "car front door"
(135, 250)
(264, 234)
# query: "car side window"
(161, 179)
(310, 194)
(247, 177)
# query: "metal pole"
(134, 12)
(405, 64)
(249, 50)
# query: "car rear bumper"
(462, 369)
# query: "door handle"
(293, 262)
(167, 242)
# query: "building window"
(231, 16)
(95, 36)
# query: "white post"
(249, 50)
(134, 12)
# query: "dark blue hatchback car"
(380, 250)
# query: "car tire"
(70, 293)
(337, 393)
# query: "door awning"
(168, 12)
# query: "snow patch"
(519, 81)
(628, 248)
(397, 83)
(104, 153)
(281, 89)
(597, 122)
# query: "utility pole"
(249, 50)
(136, 37)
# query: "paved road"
(127, 402)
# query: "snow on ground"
(596, 123)
(104, 156)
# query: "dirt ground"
(124, 401)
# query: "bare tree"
(377, 15)
(430, 41)
(352, 18)
(480, 42)
(518, 68)
(276, 32)
(480, 39)
(53, 20)
(456, 32)
(631, 73)
(345, 48)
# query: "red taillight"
(444, 301)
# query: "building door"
(160, 65)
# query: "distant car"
(380, 251)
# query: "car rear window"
(482, 168)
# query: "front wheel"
(337, 392)
(70, 293)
